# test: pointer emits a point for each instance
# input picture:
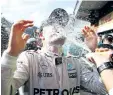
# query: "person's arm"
(101, 56)
(107, 78)
(13, 75)
(8, 65)
(90, 79)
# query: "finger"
(28, 22)
(25, 21)
(103, 49)
(93, 61)
(92, 31)
(96, 50)
(89, 59)
(106, 49)
(87, 28)
(26, 26)
(25, 37)
(84, 33)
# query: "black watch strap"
(106, 65)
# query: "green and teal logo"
(69, 66)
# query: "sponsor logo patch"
(45, 74)
(71, 91)
(72, 75)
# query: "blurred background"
(81, 13)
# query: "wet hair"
(58, 16)
(44, 23)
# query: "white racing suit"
(46, 77)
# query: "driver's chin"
(58, 41)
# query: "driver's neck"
(56, 50)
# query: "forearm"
(8, 61)
(94, 84)
(90, 80)
(8, 65)
(107, 77)
(13, 52)
(13, 73)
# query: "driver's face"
(54, 34)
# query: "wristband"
(106, 65)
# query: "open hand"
(18, 38)
(90, 38)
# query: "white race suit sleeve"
(14, 73)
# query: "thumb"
(25, 37)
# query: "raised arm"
(101, 57)
(18, 38)
(14, 75)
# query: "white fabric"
(41, 74)
(111, 91)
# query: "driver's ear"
(41, 36)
